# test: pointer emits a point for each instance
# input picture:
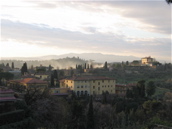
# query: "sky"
(31, 28)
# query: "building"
(121, 89)
(27, 83)
(7, 100)
(42, 76)
(89, 85)
(147, 60)
(60, 91)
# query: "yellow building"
(147, 60)
(89, 85)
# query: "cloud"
(155, 15)
(42, 35)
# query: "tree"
(90, 115)
(24, 68)
(55, 74)
(169, 1)
(127, 63)
(105, 65)
(88, 66)
(52, 80)
(150, 88)
(7, 65)
(12, 65)
(85, 66)
(6, 75)
(141, 88)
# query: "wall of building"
(90, 86)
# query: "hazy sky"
(51, 27)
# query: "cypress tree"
(90, 115)
(12, 65)
(52, 80)
(24, 68)
(105, 65)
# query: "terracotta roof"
(30, 81)
(83, 78)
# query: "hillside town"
(121, 85)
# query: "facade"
(147, 60)
(27, 83)
(121, 89)
(42, 76)
(60, 91)
(89, 85)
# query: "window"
(77, 86)
(82, 93)
(81, 86)
(98, 83)
(94, 92)
(93, 87)
(103, 81)
(93, 81)
(85, 81)
(71, 81)
(108, 85)
(86, 92)
(85, 86)
(98, 88)
(102, 86)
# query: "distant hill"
(97, 57)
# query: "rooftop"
(83, 78)
(30, 81)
